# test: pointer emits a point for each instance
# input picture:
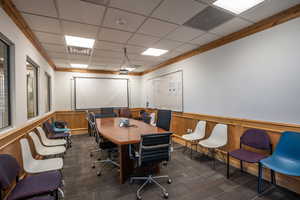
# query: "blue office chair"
(153, 149)
(285, 159)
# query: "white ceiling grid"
(148, 23)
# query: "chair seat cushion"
(36, 185)
(211, 144)
(59, 135)
(283, 165)
(45, 197)
(192, 137)
(248, 156)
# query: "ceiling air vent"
(208, 19)
(97, 2)
(79, 51)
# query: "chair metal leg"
(241, 166)
(273, 177)
(151, 179)
(260, 178)
(228, 165)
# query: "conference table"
(123, 136)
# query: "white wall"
(257, 77)
(23, 48)
(64, 88)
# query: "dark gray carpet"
(192, 179)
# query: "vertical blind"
(4, 86)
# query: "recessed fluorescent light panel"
(79, 41)
(154, 52)
(237, 6)
(130, 68)
(79, 65)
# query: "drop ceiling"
(148, 23)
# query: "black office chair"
(103, 145)
(164, 119)
(153, 149)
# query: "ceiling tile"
(108, 54)
(81, 11)
(114, 35)
(186, 47)
(204, 39)
(109, 46)
(178, 11)
(55, 55)
(45, 7)
(135, 49)
(105, 60)
(132, 21)
(80, 30)
(54, 48)
(144, 7)
(79, 59)
(171, 54)
(167, 44)
(50, 38)
(156, 27)
(45, 24)
(61, 62)
(231, 26)
(143, 40)
(185, 34)
(268, 8)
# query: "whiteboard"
(165, 92)
(94, 92)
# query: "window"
(47, 92)
(4, 85)
(32, 88)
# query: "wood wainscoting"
(10, 142)
(183, 121)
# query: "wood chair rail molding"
(18, 19)
(267, 23)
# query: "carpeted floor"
(193, 179)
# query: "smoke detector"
(121, 21)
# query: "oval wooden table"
(123, 136)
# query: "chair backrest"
(42, 133)
(152, 116)
(154, 148)
(164, 119)
(256, 138)
(125, 112)
(26, 153)
(37, 143)
(288, 145)
(146, 118)
(200, 129)
(219, 134)
(9, 169)
(106, 110)
(48, 127)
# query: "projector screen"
(94, 92)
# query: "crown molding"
(18, 19)
(94, 71)
(262, 25)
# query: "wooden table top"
(110, 129)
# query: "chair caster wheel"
(139, 198)
(98, 173)
(166, 195)
(91, 155)
(93, 166)
(169, 181)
